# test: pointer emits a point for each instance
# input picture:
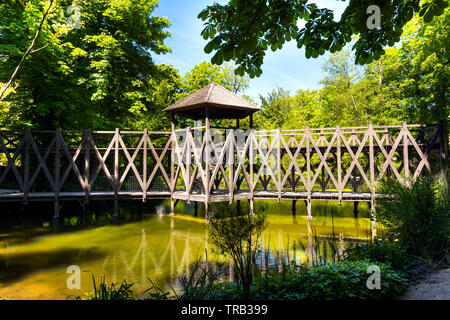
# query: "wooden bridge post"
(172, 206)
(293, 183)
(373, 217)
(308, 170)
(371, 161)
(251, 159)
(231, 164)
(26, 173)
(339, 164)
(172, 157)
(188, 153)
(144, 166)
(86, 164)
(57, 172)
(207, 159)
(116, 174)
(278, 183)
(405, 153)
(443, 147)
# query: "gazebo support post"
(207, 160)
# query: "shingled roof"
(221, 104)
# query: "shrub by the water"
(379, 251)
(341, 281)
(417, 216)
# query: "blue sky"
(287, 68)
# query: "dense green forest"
(102, 75)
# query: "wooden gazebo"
(213, 102)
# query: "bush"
(417, 216)
(341, 281)
(237, 236)
(379, 251)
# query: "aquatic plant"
(113, 291)
(199, 284)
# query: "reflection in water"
(163, 247)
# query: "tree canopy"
(243, 31)
(409, 83)
(100, 75)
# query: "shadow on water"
(16, 266)
(147, 242)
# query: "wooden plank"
(144, 165)
(371, 160)
(405, 153)
(339, 162)
(26, 178)
(279, 164)
(116, 160)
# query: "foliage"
(199, 284)
(339, 281)
(417, 216)
(379, 251)
(416, 74)
(101, 75)
(109, 292)
(409, 83)
(156, 293)
(204, 73)
(244, 30)
(276, 109)
(237, 236)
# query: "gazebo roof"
(221, 104)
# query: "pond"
(34, 261)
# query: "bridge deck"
(217, 196)
(223, 195)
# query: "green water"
(33, 262)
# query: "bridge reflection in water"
(164, 246)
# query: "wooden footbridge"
(207, 164)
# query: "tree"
(416, 74)
(204, 73)
(243, 31)
(101, 75)
(30, 50)
(276, 109)
(237, 236)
